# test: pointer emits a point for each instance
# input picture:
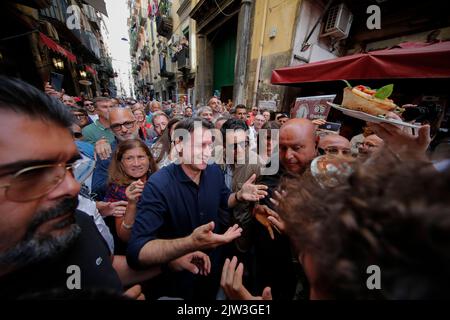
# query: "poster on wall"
(267, 105)
(313, 107)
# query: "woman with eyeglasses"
(131, 166)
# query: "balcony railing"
(89, 40)
(182, 58)
(164, 26)
(57, 10)
(106, 67)
(90, 13)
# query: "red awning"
(57, 48)
(90, 70)
(408, 60)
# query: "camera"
(426, 112)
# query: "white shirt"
(93, 117)
(88, 206)
(252, 138)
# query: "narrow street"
(234, 156)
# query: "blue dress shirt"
(172, 206)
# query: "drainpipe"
(261, 46)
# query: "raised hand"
(274, 217)
(319, 122)
(196, 262)
(116, 209)
(203, 237)
(402, 141)
(262, 213)
(231, 282)
(134, 191)
(49, 90)
(103, 148)
(252, 192)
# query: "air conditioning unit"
(338, 22)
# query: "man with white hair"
(124, 126)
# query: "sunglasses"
(77, 135)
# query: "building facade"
(229, 48)
(62, 37)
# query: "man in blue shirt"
(178, 213)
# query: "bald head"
(297, 144)
(123, 124)
(334, 144)
(334, 140)
(301, 127)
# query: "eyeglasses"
(88, 104)
(118, 126)
(367, 144)
(335, 151)
(35, 182)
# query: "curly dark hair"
(395, 215)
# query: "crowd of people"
(163, 200)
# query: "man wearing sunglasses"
(88, 105)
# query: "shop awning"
(98, 5)
(56, 47)
(91, 70)
(407, 60)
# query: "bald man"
(297, 145)
(335, 144)
(371, 144)
(273, 258)
(125, 127)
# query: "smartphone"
(56, 81)
(331, 126)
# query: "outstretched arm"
(160, 251)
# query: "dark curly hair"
(392, 214)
